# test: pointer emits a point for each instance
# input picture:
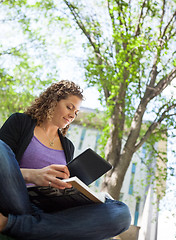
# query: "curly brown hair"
(43, 106)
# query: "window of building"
(69, 131)
(96, 141)
(133, 169)
(136, 216)
(97, 183)
(83, 133)
(143, 152)
(121, 196)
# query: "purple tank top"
(38, 155)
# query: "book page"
(83, 188)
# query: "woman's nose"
(72, 114)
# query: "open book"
(51, 199)
(86, 191)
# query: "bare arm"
(52, 173)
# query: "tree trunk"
(119, 160)
(113, 180)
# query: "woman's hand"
(3, 222)
(48, 176)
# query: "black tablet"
(88, 166)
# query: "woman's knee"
(126, 216)
(121, 217)
(5, 151)
(8, 162)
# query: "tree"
(130, 48)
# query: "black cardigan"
(18, 131)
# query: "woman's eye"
(69, 107)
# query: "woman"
(34, 149)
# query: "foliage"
(27, 64)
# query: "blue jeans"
(25, 221)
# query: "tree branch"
(154, 125)
(165, 29)
(162, 15)
(112, 21)
(80, 24)
(121, 12)
(111, 16)
(169, 60)
(159, 156)
(172, 35)
(152, 91)
(137, 31)
(122, 23)
(153, 72)
(165, 82)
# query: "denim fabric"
(89, 222)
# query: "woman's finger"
(61, 169)
(57, 183)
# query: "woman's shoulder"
(19, 120)
(14, 117)
(68, 141)
(67, 144)
(20, 116)
(65, 139)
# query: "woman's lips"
(67, 121)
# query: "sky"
(91, 94)
(167, 226)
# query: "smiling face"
(66, 111)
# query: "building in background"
(136, 192)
